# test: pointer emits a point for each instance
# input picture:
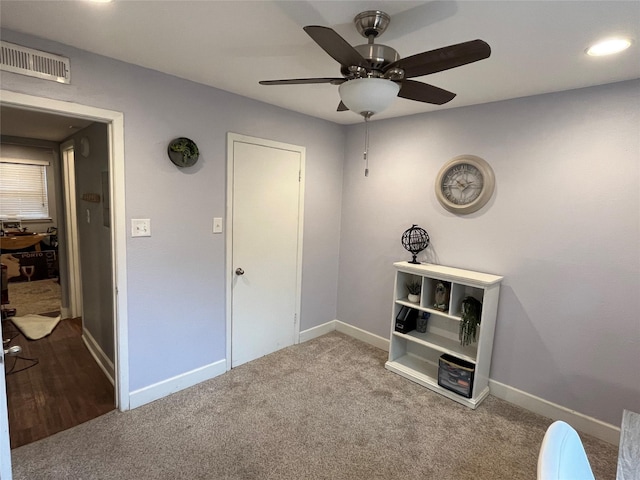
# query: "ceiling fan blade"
(336, 46)
(423, 92)
(342, 107)
(441, 59)
(303, 81)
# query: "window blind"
(23, 189)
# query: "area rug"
(42, 296)
(35, 327)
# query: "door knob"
(239, 271)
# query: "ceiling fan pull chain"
(366, 145)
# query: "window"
(23, 189)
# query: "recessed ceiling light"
(608, 47)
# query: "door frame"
(72, 246)
(115, 124)
(233, 138)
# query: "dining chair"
(562, 455)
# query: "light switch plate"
(140, 227)
(217, 225)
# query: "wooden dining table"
(22, 241)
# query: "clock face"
(465, 184)
(462, 184)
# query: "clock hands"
(461, 186)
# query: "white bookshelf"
(415, 355)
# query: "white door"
(5, 445)
(265, 210)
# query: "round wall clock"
(183, 152)
(465, 184)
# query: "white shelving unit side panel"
(396, 279)
(485, 342)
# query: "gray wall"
(176, 286)
(562, 227)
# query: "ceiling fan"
(374, 74)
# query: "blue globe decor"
(415, 240)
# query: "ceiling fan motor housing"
(379, 56)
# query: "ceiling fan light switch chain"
(366, 144)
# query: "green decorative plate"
(183, 152)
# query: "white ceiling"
(537, 46)
(16, 122)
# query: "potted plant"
(414, 289)
(469, 320)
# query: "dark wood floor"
(64, 389)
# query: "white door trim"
(115, 121)
(72, 246)
(232, 138)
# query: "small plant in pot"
(470, 320)
(414, 289)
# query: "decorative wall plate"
(183, 152)
(85, 147)
(465, 184)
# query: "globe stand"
(415, 240)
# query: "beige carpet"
(324, 409)
(41, 296)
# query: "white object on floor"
(629, 450)
(562, 456)
(35, 327)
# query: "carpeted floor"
(324, 409)
(38, 297)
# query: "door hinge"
(295, 318)
(299, 175)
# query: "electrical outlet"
(140, 227)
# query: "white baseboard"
(355, 332)
(363, 335)
(161, 389)
(583, 423)
(318, 331)
(98, 355)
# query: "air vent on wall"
(34, 63)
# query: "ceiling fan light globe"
(371, 95)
